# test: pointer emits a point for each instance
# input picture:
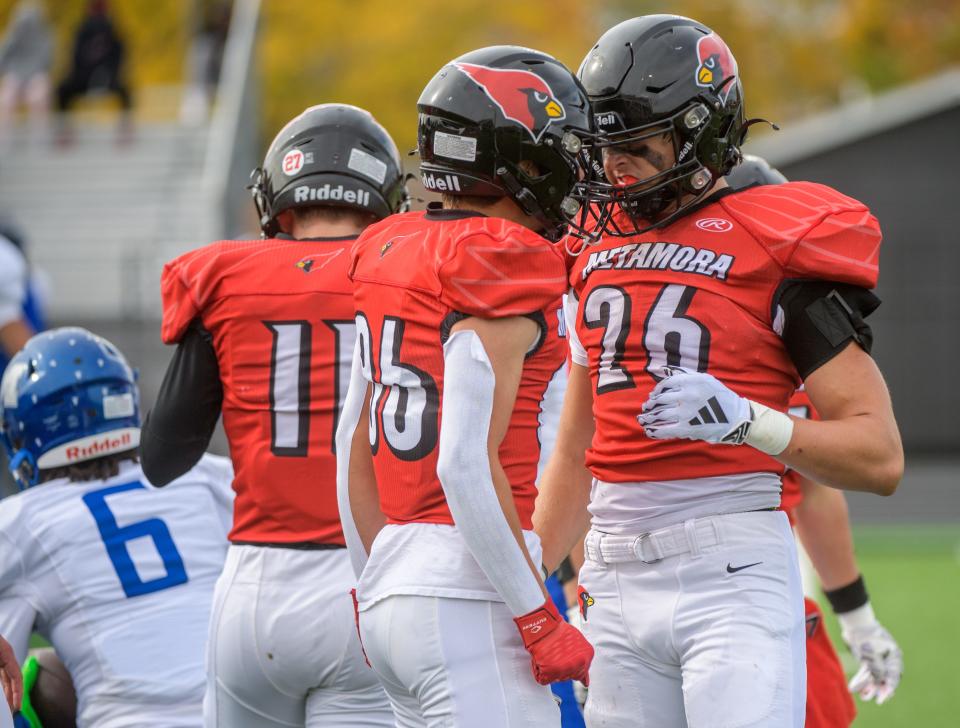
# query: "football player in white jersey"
(116, 574)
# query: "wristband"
(847, 598)
(770, 431)
(565, 571)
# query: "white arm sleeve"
(13, 282)
(464, 471)
(570, 306)
(349, 417)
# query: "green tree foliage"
(379, 55)
(796, 56)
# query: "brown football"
(53, 696)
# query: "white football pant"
(283, 648)
(710, 637)
(454, 663)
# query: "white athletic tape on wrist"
(857, 619)
(771, 430)
(463, 466)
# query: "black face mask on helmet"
(662, 76)
(332, 154)
(507, 122)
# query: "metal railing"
(233, 142)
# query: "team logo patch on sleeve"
(522, 96)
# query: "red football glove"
(557, 650)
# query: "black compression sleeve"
(178, 429)
(820, 320)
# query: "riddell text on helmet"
(441, 182)
(305, 193)
(104, 446)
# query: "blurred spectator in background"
(204, 60)
(98, 66)
(26, 53)
(21, 312)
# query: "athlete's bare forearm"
(14, 336)
(823, 524)
(561, 517)
(856, 446)
(364, 497)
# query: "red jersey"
(800, 406)
(281, 316)
(701, 293)
(415, 275)
(829, 703)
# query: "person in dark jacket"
(98, 64)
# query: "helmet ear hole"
(529, 168)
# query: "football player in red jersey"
(264, 332)
(457, 343)
(692, 322)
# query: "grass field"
(913, 575)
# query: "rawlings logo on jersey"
(522, 96)
(717, 64)
(650, 256)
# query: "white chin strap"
(464, 471)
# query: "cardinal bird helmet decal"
(507, 121)
(717, 65)
(522, 96)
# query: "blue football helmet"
(68, 396)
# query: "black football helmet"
(753, 171)
(656, 75)
(489, 110)
(331, 154)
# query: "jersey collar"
(436, 211)
(285, 236)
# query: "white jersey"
(119, 576)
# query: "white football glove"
(880, 657)
(698, 406)
(580, 691)
(695, 406)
